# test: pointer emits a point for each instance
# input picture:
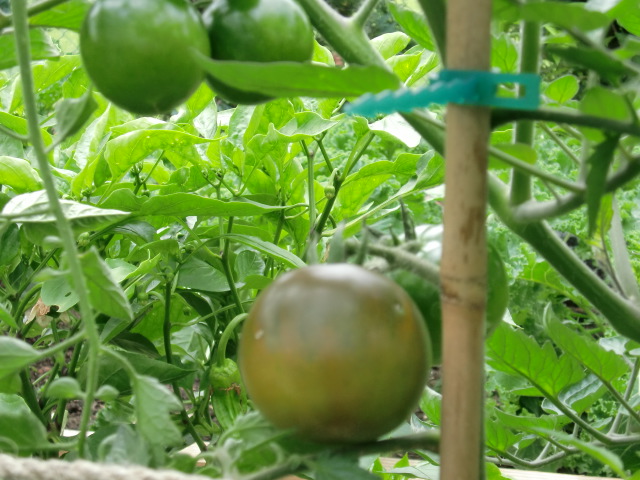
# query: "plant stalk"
(21, 26)
(524, 130)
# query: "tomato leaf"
(196, 274)
(604, 456)
(499, 437)
(579, 396)
(69, 14)
(41, 48)
(605, 364)
(72, 114)
(15, 355)
(598, 164)
(153, 404)
(267, 248)
(390, 44)
(412, 21)
(512, 351)
(5, 316)
(290, 79)
(531, 424)
(124, 151)
(607, 66)
(19, 175)
(566, 15)
(562, 89)
(20, 429)
(105, 292)
(33, 208)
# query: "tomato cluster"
(143, 55)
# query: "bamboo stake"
(464, 256)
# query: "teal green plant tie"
(462, 87)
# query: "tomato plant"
(319, 353)
(256, 31)
(155, 234)
(140, 54)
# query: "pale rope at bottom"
(15, 468)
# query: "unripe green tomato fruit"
(224, 376)
(426, 295)
(335, 352)
(140, 54)
(256, 31)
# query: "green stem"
(622, 401)
(21, 25)
(13, 134)
(343, 34)
(526, 170)
(364, 12)
(71, 372)
(432, 130)
(579, 35)
(533, 211)
(221, 351)
(324, 216)
(627, 395)
(400, 257)
(227, 269)
(18, 313)
(30, 397)
(623, 315)
(537, 463)
(166, 324)
(357, 152)
(558, 141)
(525, 130)
(62, 346)
(501, 116)
(310, 184)
(327, 160)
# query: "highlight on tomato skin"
(335, 352)
(256, 31)
(144, 66)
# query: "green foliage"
(181, 220)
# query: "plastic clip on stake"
(463, 87)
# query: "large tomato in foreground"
(141, 53)
(335, 352)
(256, 31)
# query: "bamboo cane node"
(468, 292)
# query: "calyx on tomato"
(335, 352)
(426, 295)
(256, 31)
(141, 54)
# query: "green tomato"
(335, 352)
(256, 31)
(141, 54)
(225, 376)
(426, 296)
